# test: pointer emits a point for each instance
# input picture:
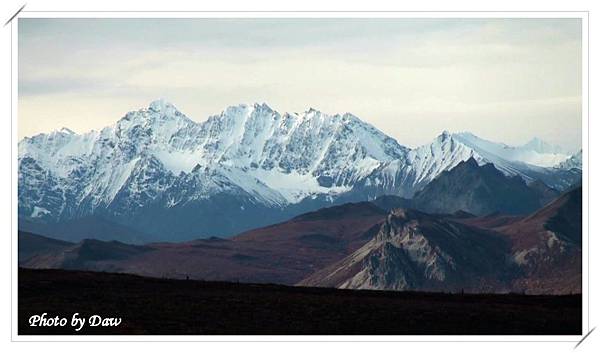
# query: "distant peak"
(247, 107)
(263, 106)
(541, 146)
(66, 131)
(157, 111)
(444, 136)
(542, 142)
(61, 131)
(161, 105)
(536, 142)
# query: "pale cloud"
(506, 80)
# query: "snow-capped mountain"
(156, 159)
(425, 163)
(157, 171)
(573, 162)
(535, 152)
(421, 165)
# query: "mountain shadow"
(481, 190)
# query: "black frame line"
(584, 337)
(15, 15)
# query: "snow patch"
(39, 212)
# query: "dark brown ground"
(160, 306)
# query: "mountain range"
(156, 175)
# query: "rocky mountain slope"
(417, 251)
(412, 250)
(573, 162)
(547, 246)
(481, 190)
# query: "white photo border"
(583, 15)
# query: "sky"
(506, 80)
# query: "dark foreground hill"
(161, 306)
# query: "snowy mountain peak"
(538, 145)
(573, 162)
(536, 152)
(239, 113)
(445, 135)
(161, 105)
(160, 111)
(159, 114)
(262, 106)
(247, 107)
(66, 131)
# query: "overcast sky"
(505, 80)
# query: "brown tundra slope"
(547, 246)
(282, 253)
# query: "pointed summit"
(444, 136)
(160, 118)
(262, 106)
(161, 105)
(66, 130)
(541, 146)
(245, 108)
